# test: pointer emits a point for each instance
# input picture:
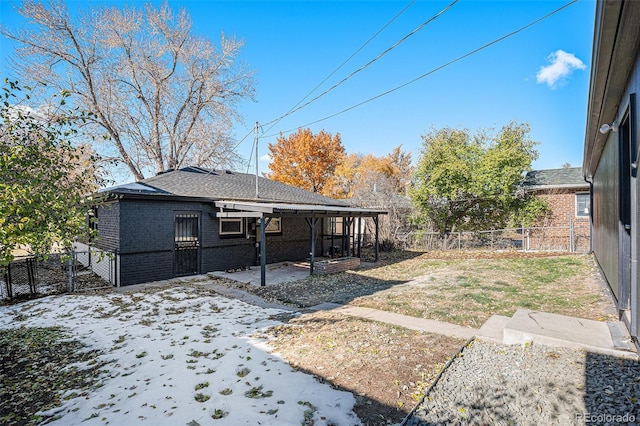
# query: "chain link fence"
(27, 277)
(571, 239)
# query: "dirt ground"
(387, 368)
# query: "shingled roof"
(196, 182)
(570, 177)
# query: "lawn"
(460, 288)
(468, 291)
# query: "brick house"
(192, 221)
(566, 227)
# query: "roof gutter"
(615, 48)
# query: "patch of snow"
(175, 347)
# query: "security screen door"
(187, 244)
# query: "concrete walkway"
(608, 338)
(412, 323)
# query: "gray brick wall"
(145, 267)
(294, 243)
(145, 239)
(108, 226)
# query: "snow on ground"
(181, 355)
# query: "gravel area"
(489, 383)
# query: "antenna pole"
(255, 141)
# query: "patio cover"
(311, 212)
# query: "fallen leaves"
(39, 366)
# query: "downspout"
(590, 182)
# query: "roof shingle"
(222, 185)
(570, 177)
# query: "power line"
(459, 58)
(389, 49)
(276, 121)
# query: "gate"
(187, 244)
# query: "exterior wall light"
(604, 129)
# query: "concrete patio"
(276, 273)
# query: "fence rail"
(85, 268)
(572, 239)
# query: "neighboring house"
(611, 152)
(566, 226)
(193, 220)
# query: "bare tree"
(160, 96)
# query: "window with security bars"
(186, 227)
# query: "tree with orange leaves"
(305, 160)
(357, 175)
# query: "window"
(582, 204)
(186, 227)
(231, 226)
(275, 226)
(336, 225)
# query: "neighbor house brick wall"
(554, 229)
(562, 203)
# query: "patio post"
(264, 222)
(375, 220)
(312, 253)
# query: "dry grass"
(469, 291)
(387, 368)
(460, 288)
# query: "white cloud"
(562, 64)
(265, 157)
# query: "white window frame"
(578, 214)
(275, 222)
(231, 219)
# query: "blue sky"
(293, 45)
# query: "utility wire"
(396, 44)
(253, 145)
(459, 58)
(293, 109)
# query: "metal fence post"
(70, 271)
(115, 269)
(571, 231)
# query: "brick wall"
(108, 225)
(294, 243)
(554, 232)
(143, 232)
(563, 207)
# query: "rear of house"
(177, 224)
(611, 152)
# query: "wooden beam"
(238, 214)
(231, 205)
